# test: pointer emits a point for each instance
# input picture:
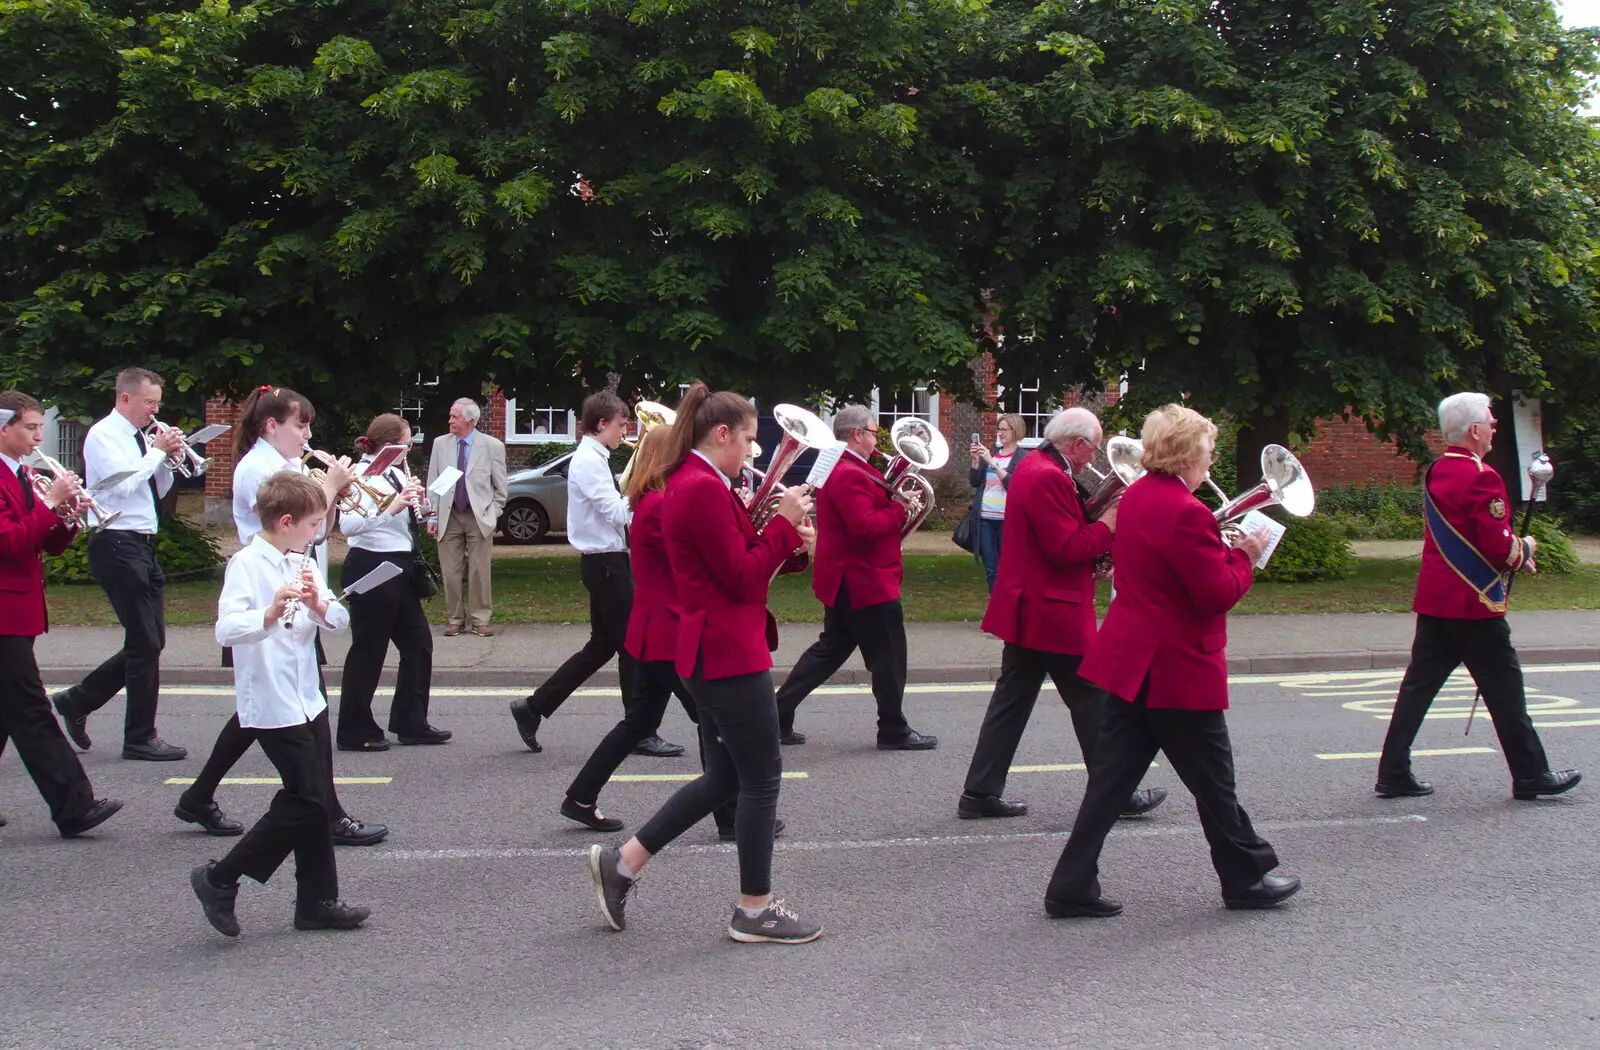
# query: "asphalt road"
(1463, 920)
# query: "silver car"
(536, 502)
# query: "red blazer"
(1470, 496)
(23, 535)
(858, 536)
(1044, 592)
(722, 568)
(653, 623)
(1175, 582)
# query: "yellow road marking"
(1421, 752)
(275, 781)
(653, 778)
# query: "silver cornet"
(186, 463)
(83, 512)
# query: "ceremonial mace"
(1540, 471)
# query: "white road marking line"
(1419, 751)
(783, 846)
(275, 782)
(652, 778)
(1060, 767)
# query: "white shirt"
(597, 514)
(380, 531)
(274, 668)
(110, 448)
(249, 474)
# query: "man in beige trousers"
(466, 523)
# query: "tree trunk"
(1262, 427)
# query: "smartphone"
(977, 439)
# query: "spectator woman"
(989, 477)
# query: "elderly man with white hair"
(468, 519)
(1042, 608)
(1468, 556)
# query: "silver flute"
(293, 605)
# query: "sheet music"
(827, 459)
(445, 483)
(385, 572)
(1254, 520)
(111, 481)
(208, 433)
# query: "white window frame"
(1036, 419)
(889, 420)
(513, 436)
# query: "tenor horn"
(650, 416)
(801, 430)
(1284, 483)
(918, 447)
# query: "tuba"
(1283, 484)
(83, 512)
(650, 416)
(801, 430)
(350, 499)
(918, 447)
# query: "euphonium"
(1283, 484)
(83, 512)
(187, 463)
(918, 446)
(801, 430)
(650, 416)
(1122, 469)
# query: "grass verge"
(937, 588)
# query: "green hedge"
(184, 551)
(1314, 548)
(1556, 554)
(1575, 492)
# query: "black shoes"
(730, 835)
(589, 816)
(216, 900)
(777, 924)
(1271, 890)
(379, 744)
(428, 735)
(154, 750)
(77, 724)
(977, 807)
(102, 810)
(1099, 908)
(911, 740)
(330, 915)
(790, 738)
(1143, 801)
(527, 722)
(209, 816)
(610, 888)
(347, 831)
(655, 747)
(1545, 784)
(1403, 787)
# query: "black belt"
(605, 554)
(145, 537)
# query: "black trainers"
(216, 899)
(610, 888)
(330, 915)
(777, 924)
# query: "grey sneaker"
(777, 924)
(610, 888)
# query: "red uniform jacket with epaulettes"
(1471, 496)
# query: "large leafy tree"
(344, 195)
(1289, 210)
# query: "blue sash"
(1463, 558)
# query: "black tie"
(155, 493)
(27, 486)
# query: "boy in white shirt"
(273, 600)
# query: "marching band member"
(597, 524)
(1468, 556)
(857, 579)
(122, 558)
(279, 698)
(390, 612)
(30, 526)
(1161, 656)
(1042, 607)
(722, 566)
(274, 427)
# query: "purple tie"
(461, 501)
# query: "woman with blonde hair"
(990, 476)
(1161, 655)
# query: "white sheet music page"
(1257, 520)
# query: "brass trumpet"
(918, 447)
(350, 499)
(186, 464)
(801, 430)
(1283, 484)
(650, 416)
(83, 512)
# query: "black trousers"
(609, 580)
(28, 722)
(297, 820)
(124, 565)
(739, 735)
(880, 632)
(1439, 647)
(388, 613)
(1022, 674)
(1196, 743)
(655, 682)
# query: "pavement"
(1462, 920)
(525, 654)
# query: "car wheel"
(524, 521)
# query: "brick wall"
(1344, 453)
(219, 478)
